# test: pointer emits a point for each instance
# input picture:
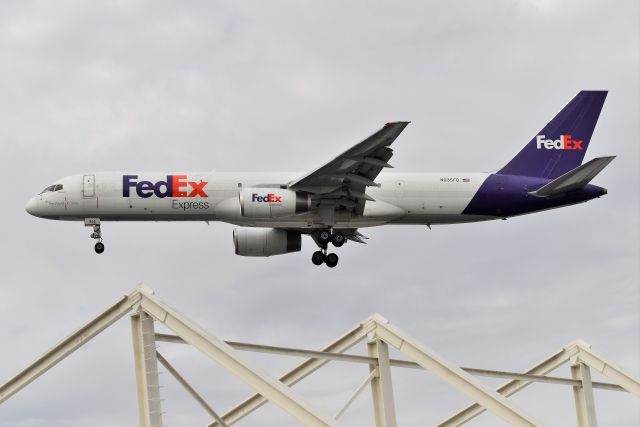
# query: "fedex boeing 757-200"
(273, 210)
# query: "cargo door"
(88, 186)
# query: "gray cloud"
(285, 86)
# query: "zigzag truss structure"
(146, 309)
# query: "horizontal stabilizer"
(575, 178)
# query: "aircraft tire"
(324, 237)
(317, 258)
(331, 260)
(337, 239)
(99, 247)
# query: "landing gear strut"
(97, 235)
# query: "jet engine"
(272, 202)
(257, 241)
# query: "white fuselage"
(402, 198)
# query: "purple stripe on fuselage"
(508, 195)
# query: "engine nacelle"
(257, 241)
(272, 202)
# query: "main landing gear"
(323, 238)
(336, 238)
(97, 234)
(320, 257)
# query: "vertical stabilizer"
(561, 145)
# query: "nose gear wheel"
(97, 235)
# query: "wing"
(342, 182)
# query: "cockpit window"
(55, 187)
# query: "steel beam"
(169, 367)
(453, 376)
(303, 370)
(288, 351)
(511, 387)
(68, 345)
(146, 366)
(226, 357)
(378, 405)
(356, 393)
(608, 369)
(354, 358)
(583, 396)
(538, 378)
(384, 408)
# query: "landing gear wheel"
(331, 260)
(324, 237)
(97, 235)
(317, 258)
(337, 239)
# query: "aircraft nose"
(32, 206)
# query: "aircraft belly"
(441, 219)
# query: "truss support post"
(583, 395)
(146, 365)
(381, 387)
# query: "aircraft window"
(54, 187)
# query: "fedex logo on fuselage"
(270, 198)
(564, 143)
(174, 186)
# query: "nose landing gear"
(97, 234)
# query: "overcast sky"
(272, 86)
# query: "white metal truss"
(581, 357)
(379, 334)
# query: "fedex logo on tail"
(270, 198)
(174, 186)
(564, 143)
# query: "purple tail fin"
(561, 145)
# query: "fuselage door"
(88, 186)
